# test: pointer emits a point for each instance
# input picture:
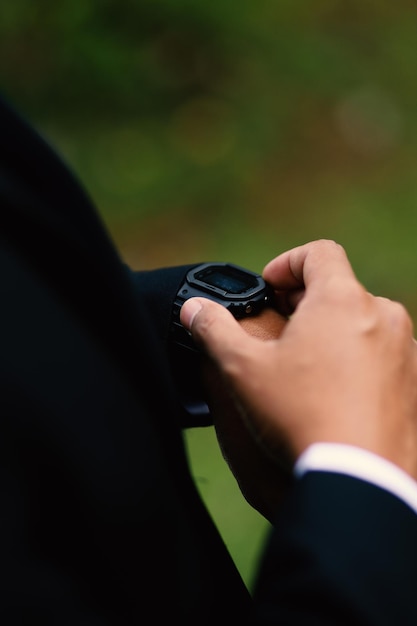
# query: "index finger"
(302, 266)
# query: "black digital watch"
(241, 291)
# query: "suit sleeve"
(155, 290)
(48, 219)
(342, 551)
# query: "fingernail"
(189, 310)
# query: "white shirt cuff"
(359, 463)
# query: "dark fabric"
(100, 521)
(343, 552)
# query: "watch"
(241, 291)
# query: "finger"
(213, 327)
(285, 302)
(305, 265)
(397, 316)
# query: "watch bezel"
(199, 277)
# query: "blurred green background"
(231, 131)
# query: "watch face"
(228, 279)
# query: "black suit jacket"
(100, 521)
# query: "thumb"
(213, 327)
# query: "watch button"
(176, 309)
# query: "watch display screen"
(227, 279)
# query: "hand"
(263, 480)
(343, 370)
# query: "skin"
(262, 478)
(342, 368)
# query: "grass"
(243, 529)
